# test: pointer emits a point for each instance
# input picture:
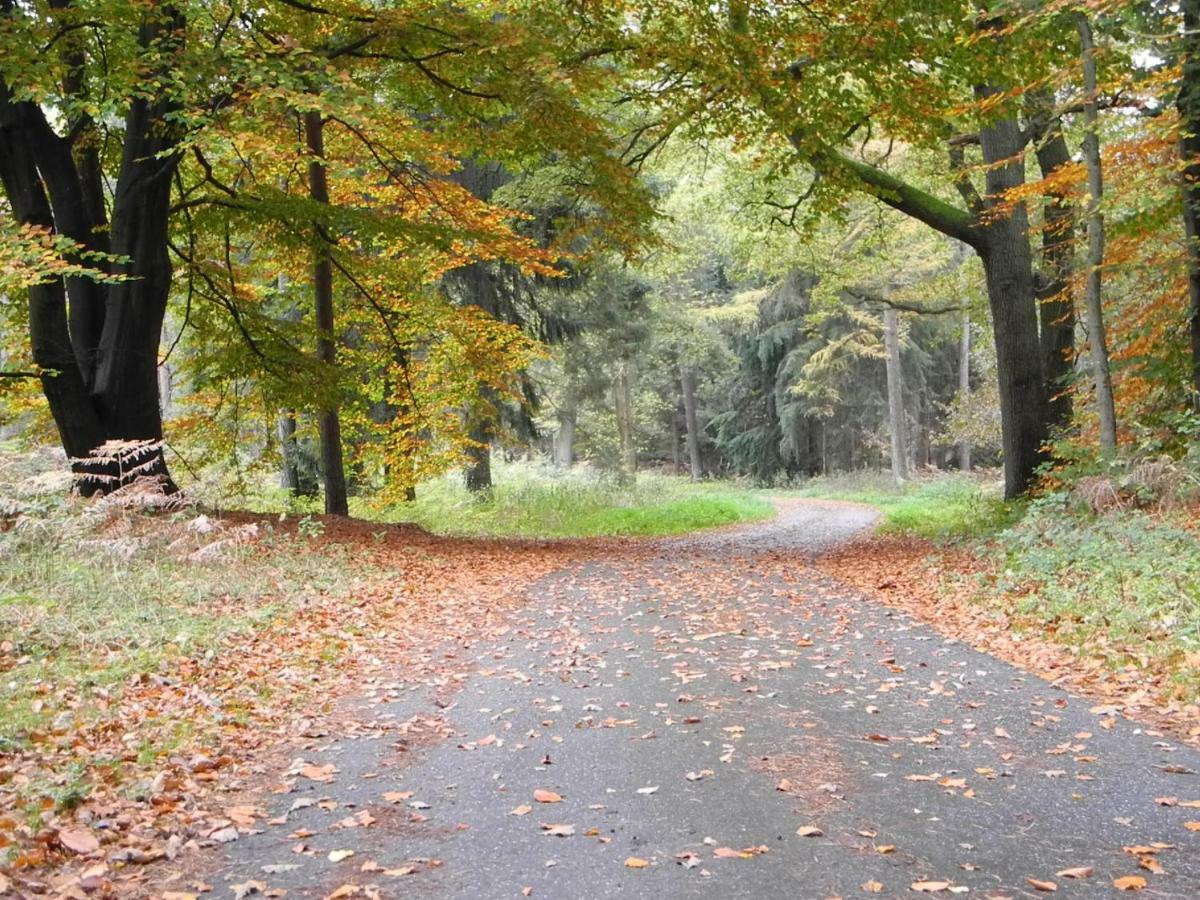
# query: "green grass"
(946, 507)
(531, 501)
(1125, 584)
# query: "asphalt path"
(711, 717)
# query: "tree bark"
(1008, 270)
(97, 344)
(895, 393)
(1056, 307)
(1097, 343)
(564, 438)
(964, 383)
(333, 470)
(687, 380)
(624, 408)
(1188, 104)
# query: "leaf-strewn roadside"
(1105, 605)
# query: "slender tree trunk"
(964, 383)
(895, 392)
(623, 392)
(1097, 343)
(564, 438)
(687, 379)
(1188, 104)
(289, 472)
(333, 470)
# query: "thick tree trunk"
(1097, 343)
(964, 383)
(289, 472)
(1056, 307)
(687, 380)
(333, 470)
(1188, 104)
(100, 342)
(1008, 269)
(895, 393)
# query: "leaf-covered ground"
(710, 716)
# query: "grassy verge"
(1119, 589)
(941, 508)
(536, 502)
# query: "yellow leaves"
(636, 862)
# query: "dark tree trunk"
(333, 470)
(1056, 307)
(1188, 104)
(98, 344)
(687, 379)
(478, 473)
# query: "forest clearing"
(615, 448)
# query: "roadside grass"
(1123, 585)
(535, 501)
(940, 508)
(1120, 587)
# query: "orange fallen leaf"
(1192, 826)
(809, 831)
(636, 862)
(1129, 883)
(542, 796)
(1039, 885)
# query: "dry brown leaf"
(930, 887)
(1129, 883)
(79, 840)
(636, 862)
(1040, 885)
(1076, 872)
(542, 796)
(809, 831)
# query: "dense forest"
(345, 247)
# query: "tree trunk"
(333, 470)
(895, 393)
(478, 473)
(1097, 343)
(564, 438)
(964, 383)
(1056, 307)
(687, 379)
(624, 409)
(1188, 104)
(1008, 269)
(98, 343)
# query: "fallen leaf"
(930, 887)
(1077, 872)
(542, 796)
(339, 855)
(558, 830)
(1129, 883)
(636, 862)
(873, 887)
(523, 810)
(79, 840)
(1039, 885)
(809, 831)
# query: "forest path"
(694, 697)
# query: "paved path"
(696, 697)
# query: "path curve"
(721, 720)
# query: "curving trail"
(693, 697)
